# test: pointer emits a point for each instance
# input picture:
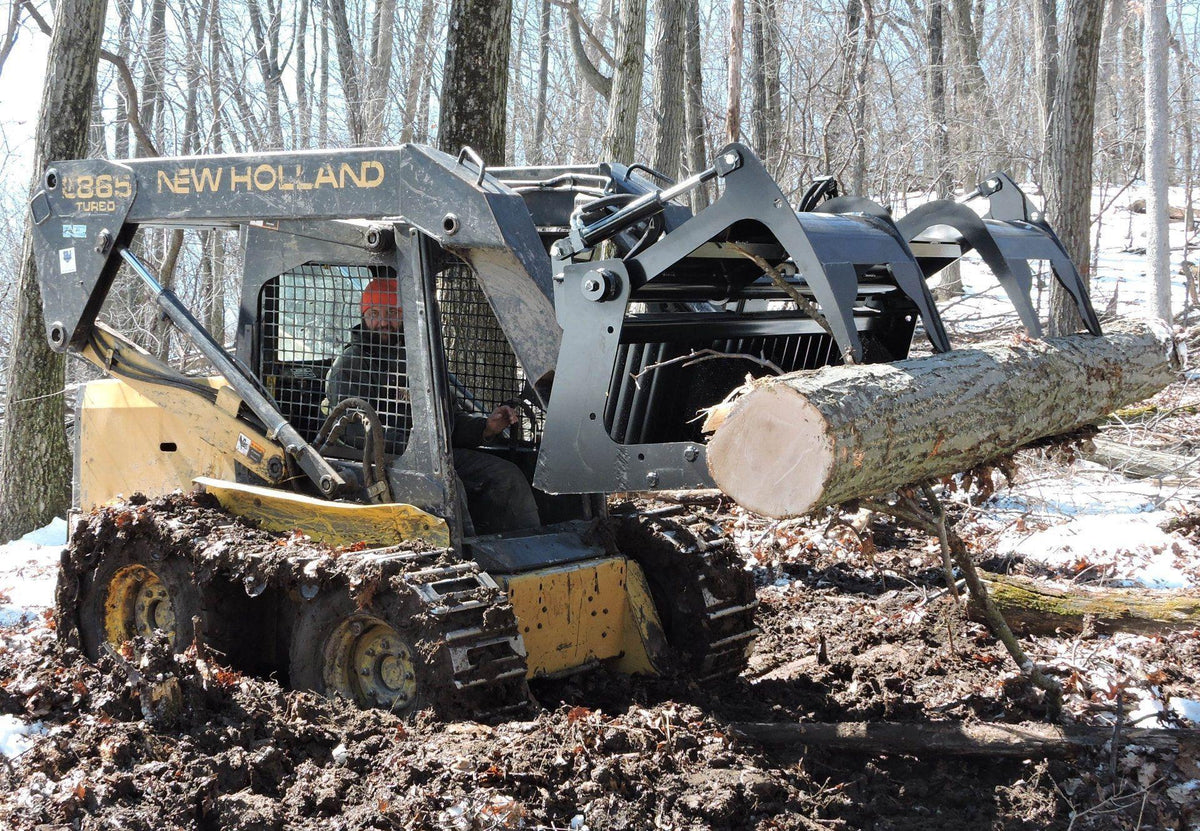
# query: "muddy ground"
(847, 635)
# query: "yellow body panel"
(573, 615)
(128, 443)
(335, 523)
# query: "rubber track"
(477, 657)
(698, 571)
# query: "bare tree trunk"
(539, 122)
(694, 100)
(1069, 200)
(214, 272)
(733, 98)
(858, 165)
(596, 79)
(979, 103)
(840, 136)
(214, 79)
(35, 473)
(418, 72)
(379, 70)
(473, 114)
(668, 108)
(765, 118)
(152, 78)
(943, 183)
(266, 42)
(303, 126)
(349, 71)
(323, 82)
(1046, 20)
(475, 78)
(1158, 240)
(620, 132)
(124, 35)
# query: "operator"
(372, 367)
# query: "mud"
(848, 634)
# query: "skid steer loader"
(571, 294)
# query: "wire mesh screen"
(316, 349)
(482, 365)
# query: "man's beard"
(382, 337)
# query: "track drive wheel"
(442, 637)
(704, 596)
(135, 591)
(370, 656)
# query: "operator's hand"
(502, 417)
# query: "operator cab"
(302, 309)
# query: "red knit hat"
(379, 292)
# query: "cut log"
(797, 442)
(1141, 462)
(1021, 741)
(1034, 608)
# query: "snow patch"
(14, 735)
(28, 569)
(1125, 547)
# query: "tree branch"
(596, 79)
(129, 92)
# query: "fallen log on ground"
(1022, 741)
(797, 442)
(1034, 608)
(1141, 462)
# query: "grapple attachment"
(681, 308)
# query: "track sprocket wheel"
(134, 589)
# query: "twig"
(804, 304)
(907, 509)
(700, 355)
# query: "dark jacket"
(374, 368)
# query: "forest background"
(901, 100)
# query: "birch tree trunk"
(35, 462)
(1069, 197)
(1158, 241)
(629, 54)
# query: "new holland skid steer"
(571, 294)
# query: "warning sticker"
(66, 261)
(71, 231)
(249, 449)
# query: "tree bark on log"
(800, 441)
(1021, 741)
(1034, 608)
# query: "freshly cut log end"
(796, 442)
